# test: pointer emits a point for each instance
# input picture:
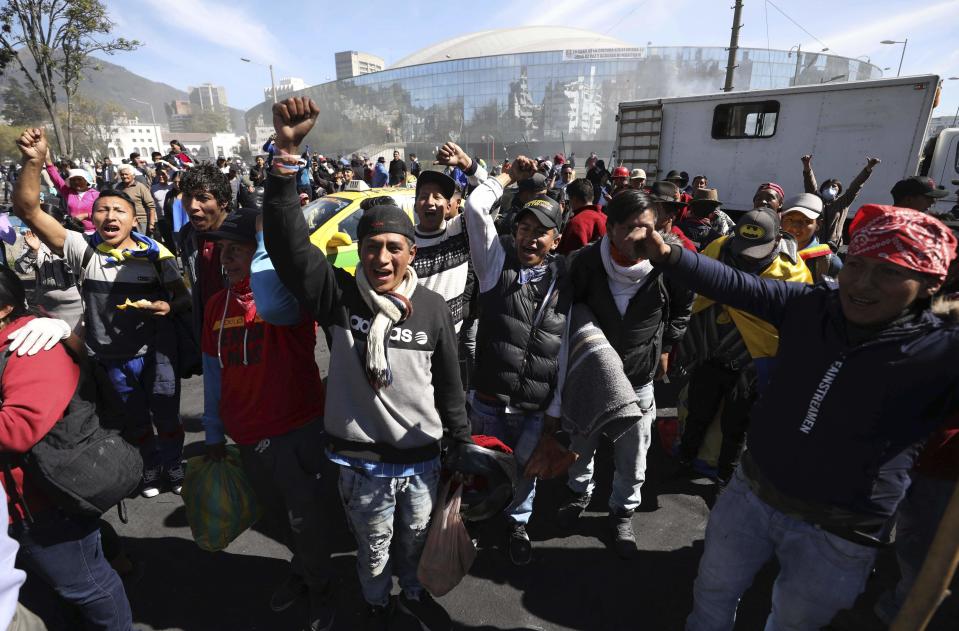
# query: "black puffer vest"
(517, 346)
(638, 334)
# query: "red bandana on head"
(903, 236)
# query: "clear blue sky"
(188, 42)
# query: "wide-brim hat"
(674, 175)
(705, 197)
(665, 192)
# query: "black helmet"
(495, 477)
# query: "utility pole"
(733, 45)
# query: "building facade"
(536, 90)
(353, 63)
(284, 88)
(207, 146)
(208, 97)
(134, 136)
(179, 114)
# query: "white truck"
(741, 139)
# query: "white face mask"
(830, 193)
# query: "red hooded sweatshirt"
(270, 383)
(35, 394)
(587, 225)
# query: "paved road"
(574, 582)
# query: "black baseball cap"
(239, 225)
(918, 185)
(446, 183)
(385, 219)
(546, 211)
(755, 233)
(535, 183)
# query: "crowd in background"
(525, 309)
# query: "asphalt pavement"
(574, 581)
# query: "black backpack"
(84, 468)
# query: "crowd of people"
(522, 309)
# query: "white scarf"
(624, 282)
(389, 309)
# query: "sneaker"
(570, 511)
(518, 544)
(287, 593)
(429, 613)
(322, 610)
(378, 617)
(151, 482)
(174, 476)
(624, 539)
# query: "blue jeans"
(629, 458)
(150, 391)
(916, 524)
(376, 508)
(819, 574)
(520, 432)
(64, 551)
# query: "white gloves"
(40, 333)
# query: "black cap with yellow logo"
(756, 234)
(546, 211)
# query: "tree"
(209, 121)
(59, 36)
(8, 142)
(20, 107)
(93, 122)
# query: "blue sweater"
(840, 424)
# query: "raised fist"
(451, 154)
(871, 162)
(806, 159)
(522, 168)
(646, 243)
(293, 119)
(33, 144)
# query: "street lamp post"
(156, 133)
(798, 62)
(272, 80)
(798, 48)
(904, 43)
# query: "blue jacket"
(840, 425)
(381, 177)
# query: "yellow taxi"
(332, 221)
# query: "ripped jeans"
(376, 508)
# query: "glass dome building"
(536, 90)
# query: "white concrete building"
(206, 145)
(284, 88)
(128, 136)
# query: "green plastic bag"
(220, 503)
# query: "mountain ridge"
(112, 83)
